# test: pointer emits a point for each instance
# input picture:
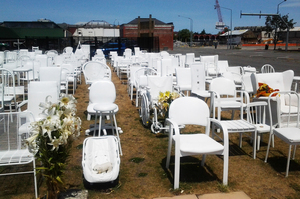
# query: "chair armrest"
(224, 130)
(21, 104)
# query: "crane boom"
(217, 6)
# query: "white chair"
(224, 96)
(189, 59)
(102, 96)
(185, 111)
(289, 131)
(211, 65)
(198, 81)
(7, 88)
(94, 71)
(13, 151)
(70, 76)
(184, 80)
(131, 80)
(38, 91)
(267, 68)
(256, 115)
(51, 74)
(278, 80)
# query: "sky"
(201, 12)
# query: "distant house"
(294, 35)
(151, 33)
(239, 37)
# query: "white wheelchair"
(150, 109)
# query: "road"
(249, 56)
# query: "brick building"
(151, 30)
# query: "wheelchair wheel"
(156, 127)
(144, 111)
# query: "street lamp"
(191, 28)
(230, 24)
(278, 6)
(115, 28)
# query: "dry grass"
(143, 173)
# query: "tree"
(203, 32)
(275, 23)
(184, 35)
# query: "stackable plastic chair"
(13, 151)
(288, 131)
(185, 111)
(94, 71)
(267, 68)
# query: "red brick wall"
(165, 34)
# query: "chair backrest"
(189, 110)
(184, 77)
(287, 116)
(140, 76)
(222, 66)
(223, 86)
(257, 112)
(51, 74)
(37, 93)
(102, 91)
(158, 84)
(267, 68)
(190, 58)
(42, 59)
(166, 67)
(94, 71)
(278, 80)
(198, 77)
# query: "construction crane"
(220, 24)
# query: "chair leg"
(203, 160)
(288, 161)
(176, 171)
(116, 128)
(34, 179)
(294, 153)
(268, 149)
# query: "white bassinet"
(100, 159)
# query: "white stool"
(107, 109)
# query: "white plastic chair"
(198, 81)
(289, 131)
(211, 65)
(267, 68)
(184, 80)
(37, 93)
(224, 96)
(51, 74)
(185, 111)
(13, 151)
(7, 88)
(71, 76)
(103, 92)
(94, 71)
(189, 59)
(256, 115)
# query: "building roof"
(30, 29)
(235, 32)
(157, 22)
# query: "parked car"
(107, 47)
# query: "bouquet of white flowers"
(51, 139)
